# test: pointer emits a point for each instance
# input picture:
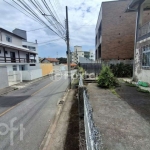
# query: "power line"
(55, 27)
(21, 11)
(36, 29)
(50, 41)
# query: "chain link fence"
(92, 135)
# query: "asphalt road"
(34, 107)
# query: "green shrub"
(122, 70)
(81, 70)
(106, 78)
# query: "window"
(24, 46)
(146, 56)
(8, 38)
(31, 48)
(6, 52)
(14, 68)
(32, 65)
(0, 51)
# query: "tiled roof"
(52, 59)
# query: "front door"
(12, 57)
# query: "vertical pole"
(4, 54)
(68, 48)
(19, 55)
(34, 58)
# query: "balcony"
(144, 31)
(16, 60)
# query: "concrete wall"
(107, 62)
(15, 40)
(28, 44)
(31, 74)
(3, 77)
(21, 33)
(14, 77)
(141, 72)
(46, 69)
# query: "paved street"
(35, 107)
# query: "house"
(85, 60)
(142, 40)
(16, 58)
(54, 61)
(78, 53)
(114, 33)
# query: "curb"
(8, 91)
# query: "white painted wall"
(15, 40)
(31, 74)
(33, 45)
(92, 55)
(37, 66)
(3, 77)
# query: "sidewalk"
(19, 86)
(123, 122)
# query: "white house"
(142, 40)
(16, 58)
(78, 53)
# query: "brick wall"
(118, 30)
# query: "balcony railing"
(145, 29)
(16, 60)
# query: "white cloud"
(83, 16)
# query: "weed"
(106, 78)
(142, 90)
(114, 92)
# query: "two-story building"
(17, 58)
(142, 40)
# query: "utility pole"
(68, 47)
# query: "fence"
(92, 135)
(91, 67)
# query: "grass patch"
(142, 90)
(75, 83)
(114, 92)
(130, 84)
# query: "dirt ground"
(140, 102)
(72, 137)
(123, 122)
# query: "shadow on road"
(9, 101)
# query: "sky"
(83, 15)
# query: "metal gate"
(91, 67)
